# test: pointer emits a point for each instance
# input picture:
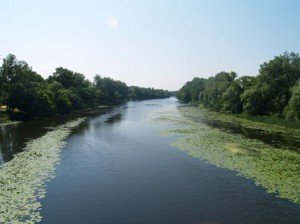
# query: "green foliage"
(215, 88)
(10, 71)
(112, 92)
(276, 79)
(192, 91)
(254, 101)
(231, 100)
(81, 93)
(115, 92)
(63, 102)
(269, 93)
(25, 91)
(293, 108)
(140, 93)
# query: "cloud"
(113, 22)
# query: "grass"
(275, 169)
(22, 180)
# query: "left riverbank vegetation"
(25, 93)
(274, 92)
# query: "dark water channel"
(116, 168)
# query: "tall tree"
(272, 88)
(215, 87)
(292, 110)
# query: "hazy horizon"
(160, 44)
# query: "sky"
(149, 43)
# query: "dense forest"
(275, 91)
(25, 91)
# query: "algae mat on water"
(22, 180)
(275, 169)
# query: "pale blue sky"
(157, 43)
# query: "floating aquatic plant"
(22, 180)
(275, 169)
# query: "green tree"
(292, 110)
(81, 92)
(140, 93)
(215, 87)
(23, 88)
(272, 88)
(63, 102)
(10, 72)
(231, 100)
(113, 92)
(192, 91)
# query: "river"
(117, 168)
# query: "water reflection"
(14, 137)
(274, 139)
(117, 169)
(115, 118)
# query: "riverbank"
(262, 123)
(6, 119)
(22, 180)
(274, 168)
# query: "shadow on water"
(115, 118)
(274, 139)
(13, 138)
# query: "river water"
(116, 168)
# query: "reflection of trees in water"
(115, 118)
(9, 140)
(273, 139)
(13, 138)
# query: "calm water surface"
(116, 168)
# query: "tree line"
(275, 91)
(24, 90)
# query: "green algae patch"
(22, 180)
(234, 148)
(275, 169)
